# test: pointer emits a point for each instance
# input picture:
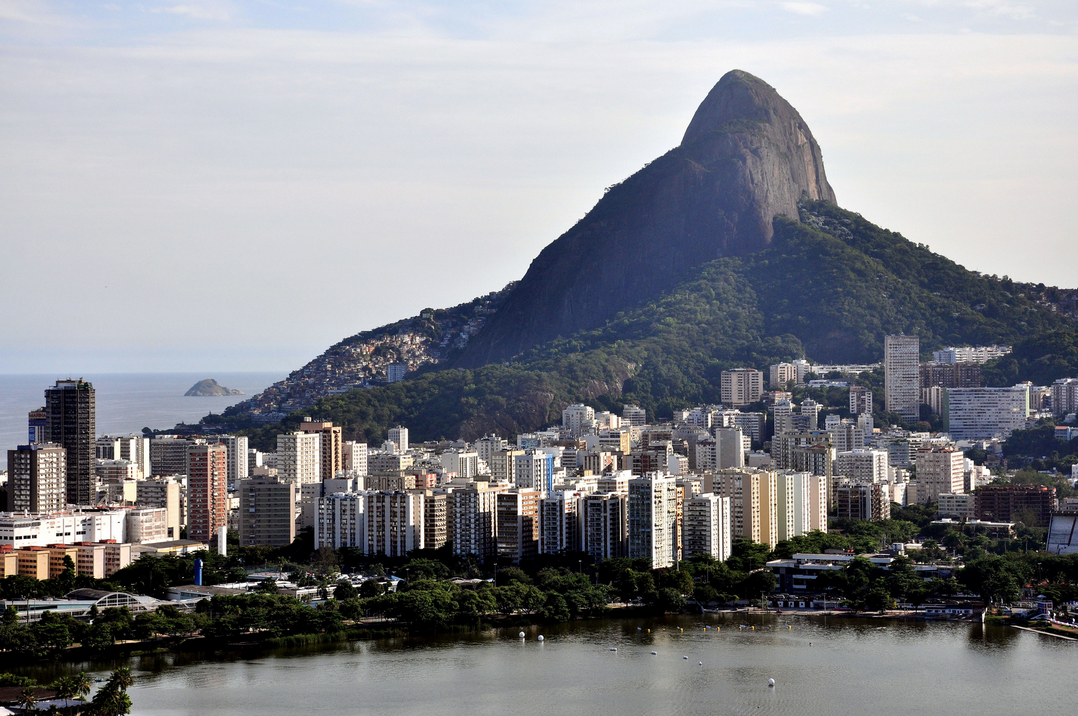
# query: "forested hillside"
(828, 288)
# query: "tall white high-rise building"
(395, 372)
(729, 448)
(634, 416)
(299, 458)
(377, 523)
(708, 526)
(560, 523)
(1064, 396)
(741, 386)
(940, 470)
(354, 456)
(486, 446)
(605, 524)
(534, 470)
(399, 437)
(902, 376)
(575, 417)
(783, 411)
(866, 467)
(236, 447)
(653, 519)
(464, 463)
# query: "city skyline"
(238, 145)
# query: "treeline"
(1039, 449)
(56, 631)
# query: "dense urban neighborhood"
(904, 488)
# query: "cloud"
(218, 13)
(28, 11)
(804, 8)
(1002, 8)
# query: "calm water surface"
(832, 667)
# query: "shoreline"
(373, 629)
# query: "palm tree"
(111, 701)
(65, 687)
(28, 700)
(121, 679)
(82, 685)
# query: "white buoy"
(654, 653)
(700, 663)
(685, 657)
(639, 628)
(540, 637)
(770, 683)
(613, 648)
(521, 635)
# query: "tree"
(344, 590)
(555, 608)
(370, 588)
(266, 586)
(878, 599)
(27, 699)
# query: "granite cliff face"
(746, 157)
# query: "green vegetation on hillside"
(829, 288)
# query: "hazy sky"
(203, 185)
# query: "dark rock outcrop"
(746, 157)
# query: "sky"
(196, 185)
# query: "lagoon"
(820, 665)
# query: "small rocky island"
(210, 387)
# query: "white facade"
(653, 519)
(940, 471)
(299, 458)
(985, 413)
(860, 400)
(708, 526)
(399, 437)
(377, 523)
(605, 524)
(741, 386)
(865, 467)
(1065, 396)
(574, 417)
(236, 449)
(560, 523)
(902, 376)
(534, 470)
(970, 354)
(783, 411)
(354, 457)
(63, 528)
(730, 448)
(634, 416)
(464, 464)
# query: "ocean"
(126, 402)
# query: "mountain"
(729, 250)
(210, 387)
(746, 157)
